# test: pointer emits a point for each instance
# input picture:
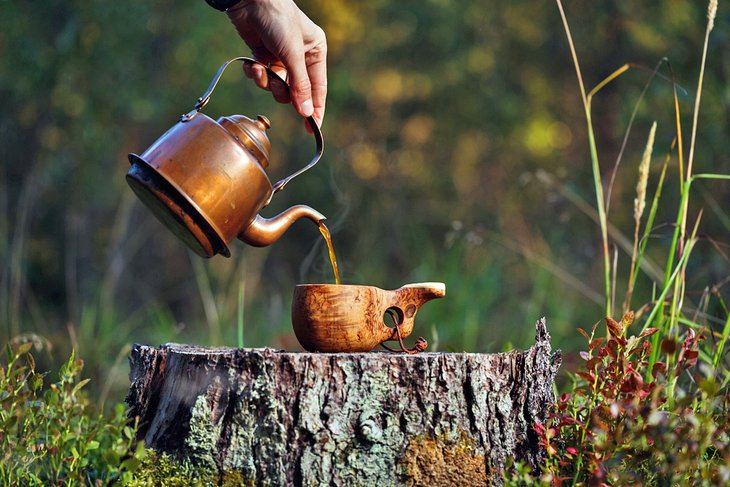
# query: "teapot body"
(203, 182)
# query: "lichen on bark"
(440, 461)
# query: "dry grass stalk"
(640, 200)
(711, 13)
(639, 205)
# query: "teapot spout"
(265, 231)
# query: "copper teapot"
(206, 180)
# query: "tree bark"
(291, 418)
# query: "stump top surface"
(188, 349)
(542, 338)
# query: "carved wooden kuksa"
(349, 318)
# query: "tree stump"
(292, 418)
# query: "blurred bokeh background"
(456, 151)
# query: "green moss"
(161, 469)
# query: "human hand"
(281, 35)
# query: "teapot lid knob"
(263, 122)
(251, 134)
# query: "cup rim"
(332, 285)
(432, 284)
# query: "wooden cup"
(350, 318)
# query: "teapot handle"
(205, 98)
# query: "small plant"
(624, 424)
(162, 469)
(53, 435)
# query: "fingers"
(301, 91)
(260, 76)
(278, 85)
(308, 77)
(257, 73)
(317, 71)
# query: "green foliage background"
(454, 138)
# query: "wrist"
(222, 5)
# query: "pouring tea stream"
(205, 180)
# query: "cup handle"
(406, 302)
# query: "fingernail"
(307, 108)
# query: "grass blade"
(597, 183)
(659, 303)
(721, 346)
(239, 321)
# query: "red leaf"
(648, 332)
(612, 348)
(584, 333)
(627, 319)
(628, 386)
(595, 343)
(658, 368)
(593, 363)
(572, 450)
(690, 358)
(587, 376)
(569, 420)
(632, 383)
(613, 327)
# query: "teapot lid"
(251, 134)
